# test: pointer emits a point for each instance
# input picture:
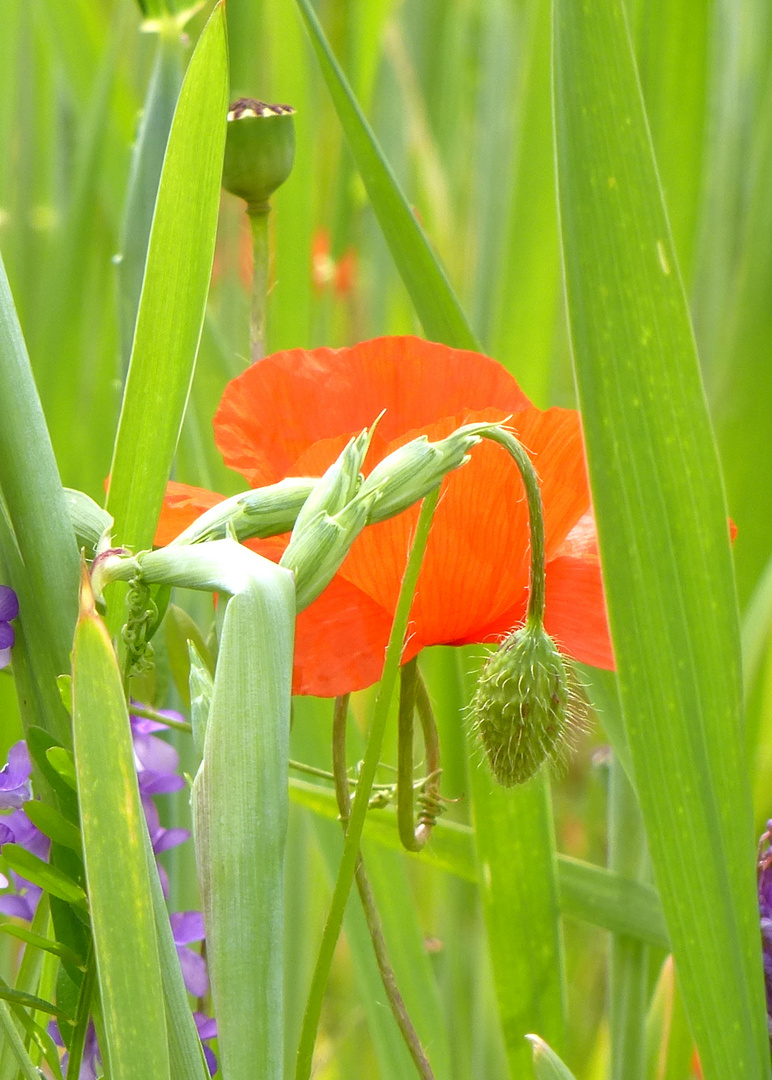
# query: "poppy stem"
(348, 861)
(374, 925)
(258, 220)
(536, 592)
(414, 697)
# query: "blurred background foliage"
(458, 92)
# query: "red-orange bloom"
(292, 414)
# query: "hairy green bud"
(259, 150)
(524, 705)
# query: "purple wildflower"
(16, 828)
(91, 1057)
(162, 839)
(765, 911)
(187, 927)
(156, 760)
(9, 609)
(206, 1026)
(14, 778)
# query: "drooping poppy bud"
(524, 705)
(259, 150)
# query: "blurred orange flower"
(292, 414)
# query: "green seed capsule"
(259, 150)
(522, 707)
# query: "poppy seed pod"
(259, 150)
(523, 705)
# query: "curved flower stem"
(530, 478)
(258, 220)
(362, 796)
(404, 1023)
(413, 696)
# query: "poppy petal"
(276, 409)
(340, 642)
(182, 505)
(477, 562)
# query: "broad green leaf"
(663, 534)
(425, 280)
(113, 828)
(174, 291)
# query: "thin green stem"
(146, 713)
(407, 696)
(532, 486)
(258, 220)
(374, 925)
(82, 1016)
(364, 785)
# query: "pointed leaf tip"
(87, 606)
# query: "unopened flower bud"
(262, 512)
(339, 484)
(524, 705)
(316, 551)
(259, 150)
(409, 473)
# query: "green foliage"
(423, 198)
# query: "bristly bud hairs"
(527, 705)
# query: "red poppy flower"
(292, 414)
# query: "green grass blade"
(629, 958)
(519, 897)
(586, 892)
(117, 871)
(15, 1042)
(37, 512)
(664, 541)
(146, 164)
(425, 280)
(174, 291)
(546, 1064)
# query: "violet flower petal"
(170, 838)
(5, 658)
(206, 1026)
(9, 603)
(193, 971)
(7, 635)
(155, 754)
(187, 926)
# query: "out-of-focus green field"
(459, 95)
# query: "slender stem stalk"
(518, 452)
(367, 775)
(414, 697)
(258, 219)
(146, 713)
(409, 1034)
